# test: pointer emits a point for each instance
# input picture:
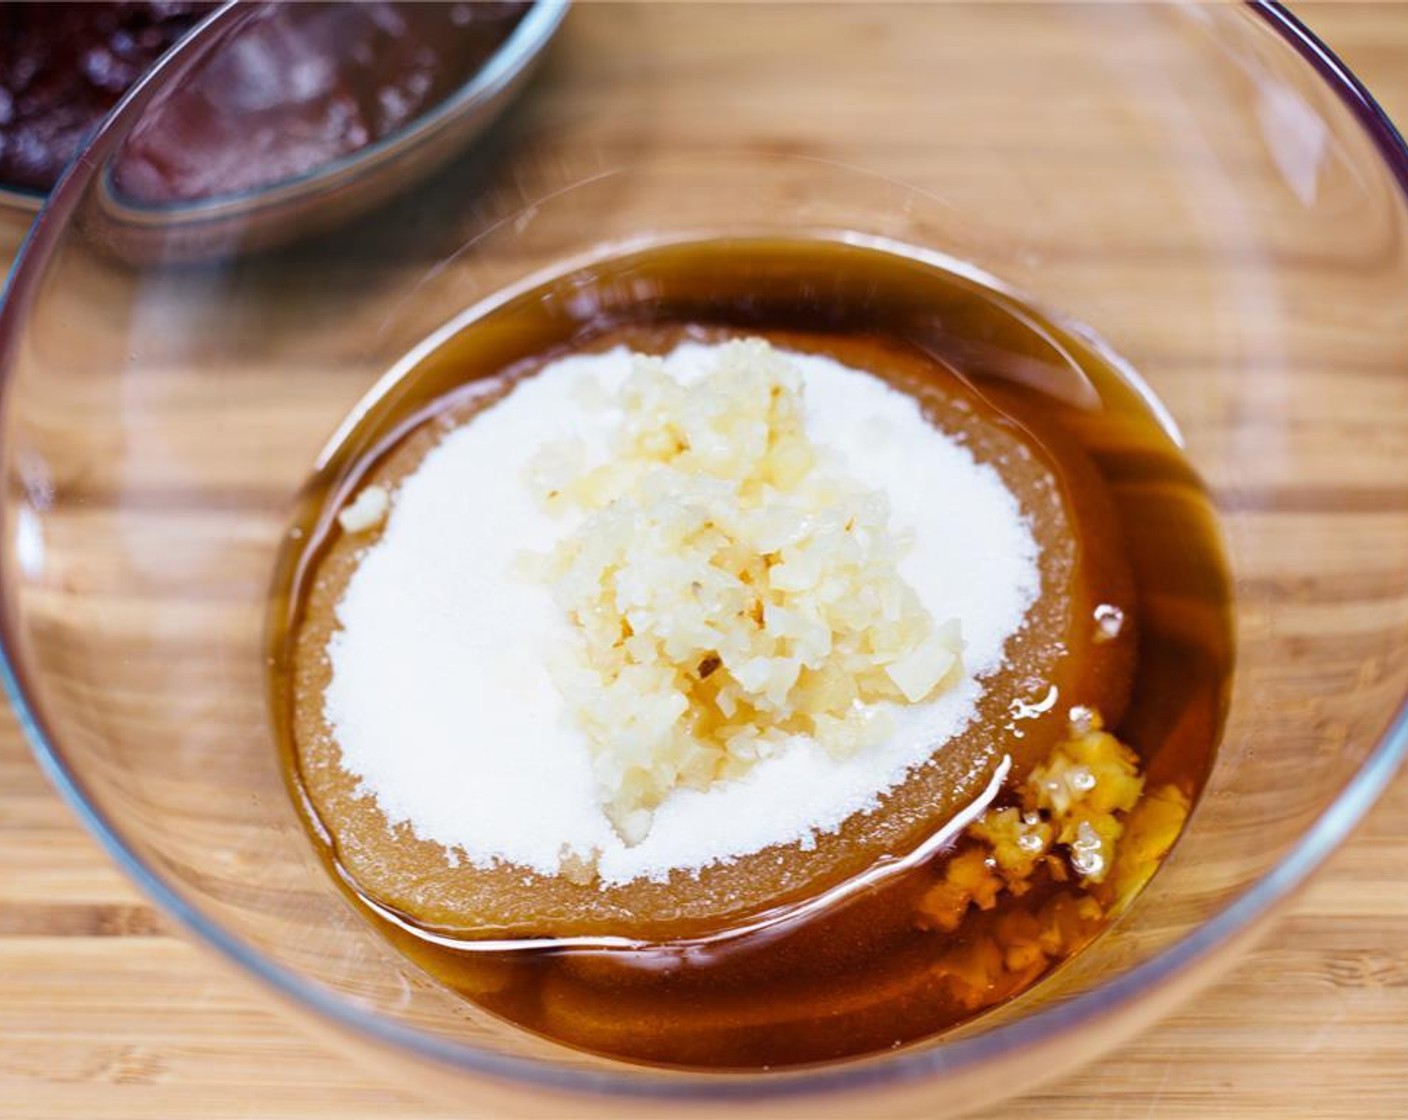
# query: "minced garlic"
(730, 584)
(365, 512)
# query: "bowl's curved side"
(1046, 1028)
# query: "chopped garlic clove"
(917, 674)
(367, 511)
(578, 869)
(554, 468)
(634, 826)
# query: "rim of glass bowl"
(1308, 853)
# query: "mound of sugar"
(441, 700)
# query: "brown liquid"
(1113, 503)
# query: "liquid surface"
(1122, 522)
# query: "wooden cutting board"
(105, 1014)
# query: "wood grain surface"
(105, 1013)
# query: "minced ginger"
(1085, 819)
(731, 586)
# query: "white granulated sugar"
(441, 699)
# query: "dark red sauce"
(63, 66)
(297, 86)
(303, 85)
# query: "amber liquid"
(864, 974)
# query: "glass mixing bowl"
(1206, 187)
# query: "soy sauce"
(870, 972)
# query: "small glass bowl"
(335, 191)
(1206, 186)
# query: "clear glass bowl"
(1205, 186)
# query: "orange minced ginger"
(1085, 819)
